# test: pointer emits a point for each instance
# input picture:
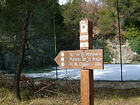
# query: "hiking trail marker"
(80, 59)
(85, 59)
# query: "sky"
(64, 1)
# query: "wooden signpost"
(87, 83)
(85, 59)
(80, 59)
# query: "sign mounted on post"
(85, 59)
(80, 59)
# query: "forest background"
(51, 27)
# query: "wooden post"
(87, 82)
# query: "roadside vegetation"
(32, 32)
(62, 92)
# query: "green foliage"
(100, 44)
(107, 55)
(42, 20)
(106, 22)
(50, 19)
(10, 18)
(133, 35)
(72, 13)
(129, 10)
(45, 15)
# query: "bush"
(133, 35)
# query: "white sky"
(64, 1)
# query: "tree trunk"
(21, 56)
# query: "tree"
(107, 22)
(28, 12)
(30, 6)
(28, 20)
(129, 10)
(91, 10)
(72, 13)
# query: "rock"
(127, 53)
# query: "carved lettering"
(92, 59)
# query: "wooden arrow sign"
(81, 59)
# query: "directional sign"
(81, 59)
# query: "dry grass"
(52, 93)
(102, 97)
(117, 97)
(7, 98)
